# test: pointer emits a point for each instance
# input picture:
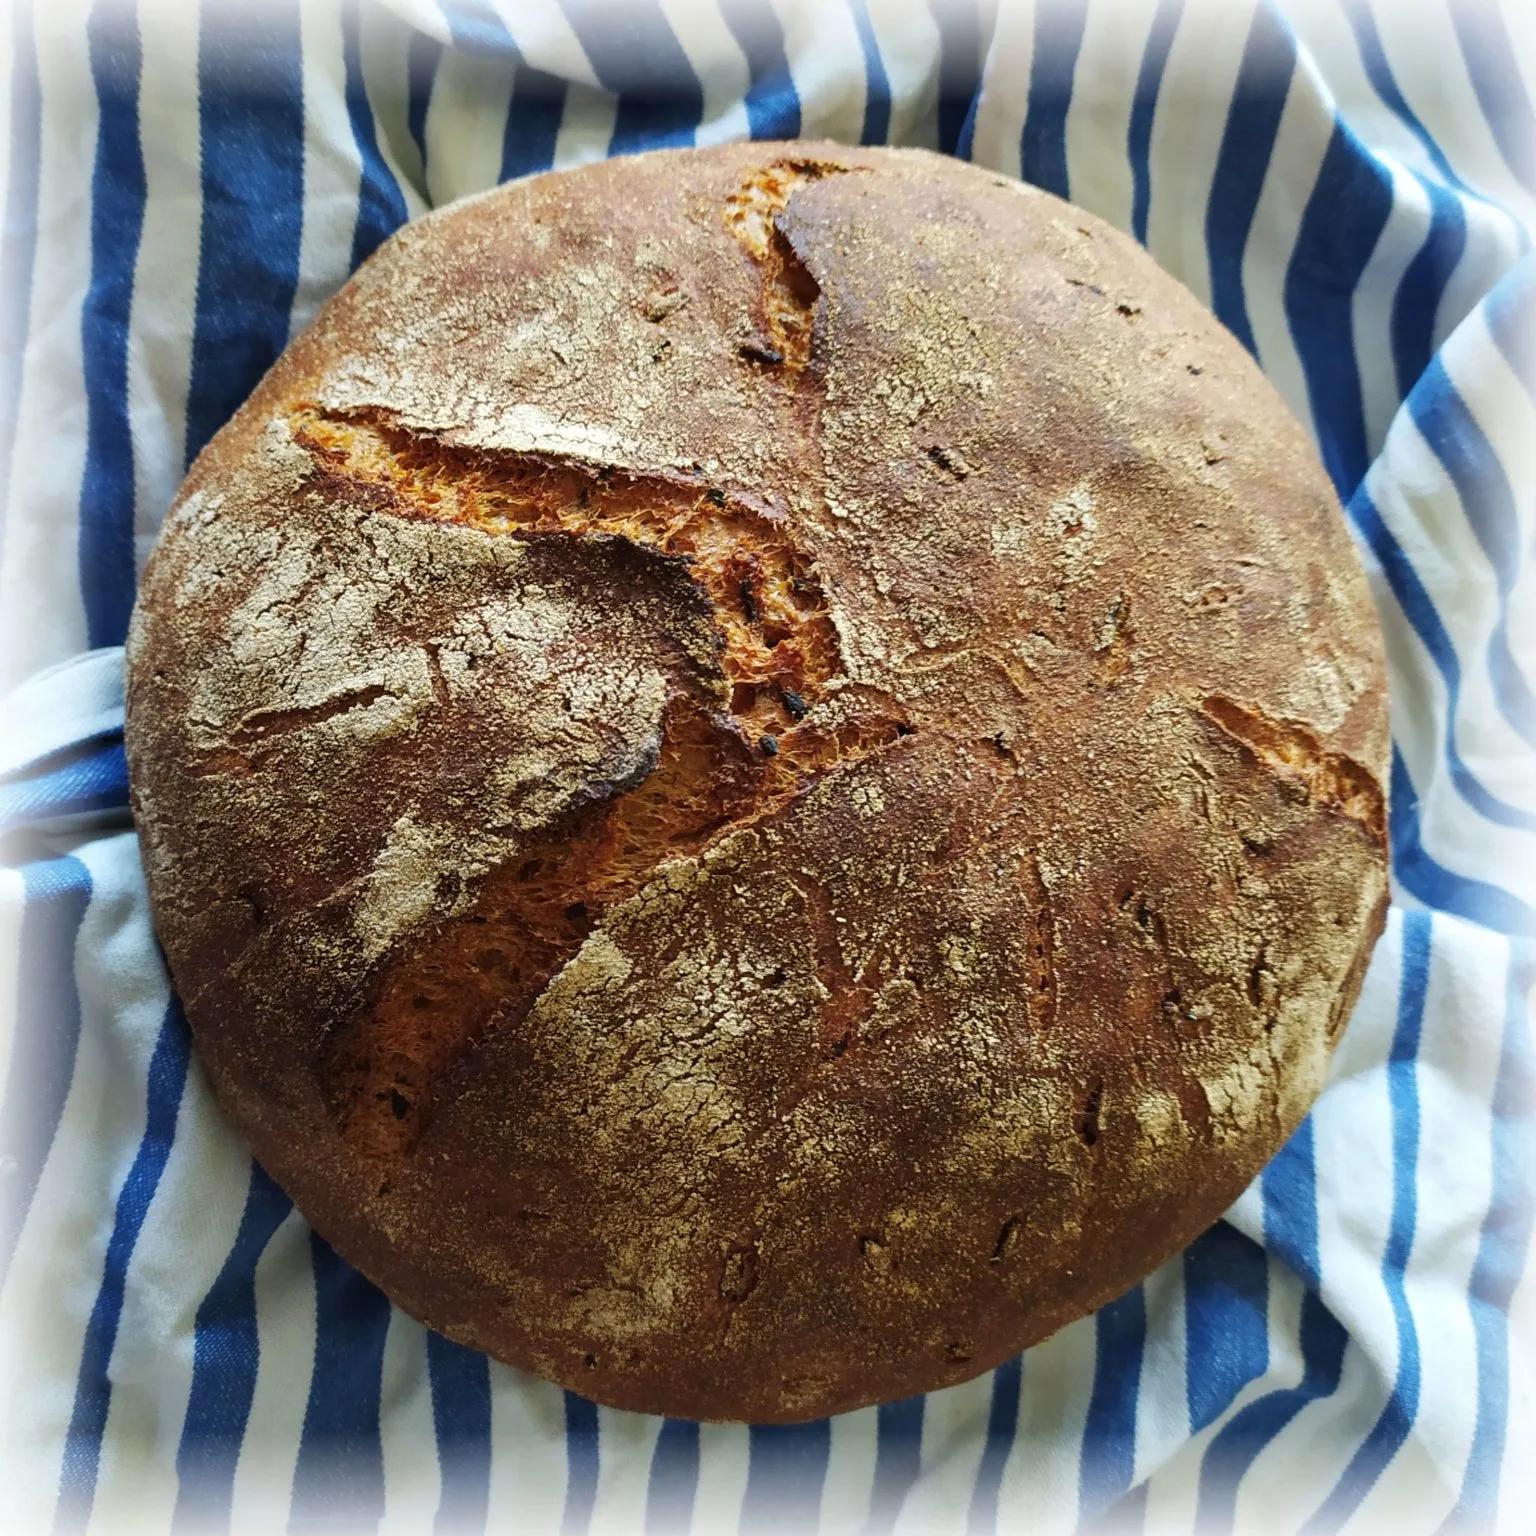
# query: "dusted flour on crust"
(761, 771)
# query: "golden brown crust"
(761, 771)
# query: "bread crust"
(890, 965)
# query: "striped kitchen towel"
(1350, 184)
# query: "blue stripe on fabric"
(877, 84)
(226, 1351)
(18, 245)
(108, 732)
(422, 57)
(1397, 1415)
(1488, 501)
(1378, 70)
(118, 192)
(46, 1035)
(1344, 217)
(1108, 1459)
(960, 54)
(251, 106)
(1226, 1320)
(1491, 57)
(772, 103)
(1053, 63)
(460, 1379)
(1002, 1425)
(95, 780)
(339, 1478)
(674, 1480)
(1502, 1248)
(786, 1470)
(965, 145)
(635, 55)
(1373, 59)
(537, 103)
(534, 115)
(476, 27)
(1149, 82)
(1419, 609)
(1247, 142)
(898, 1459)
(582, 1461)
(166, 1079)
(380, 204)
(1435, 885)
(1417, 301)
(1416, 304)
(1289, 1189)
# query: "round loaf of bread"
(760, 769)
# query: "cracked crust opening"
(713, 770)
(755, 808)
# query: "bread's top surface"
(760, 769)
